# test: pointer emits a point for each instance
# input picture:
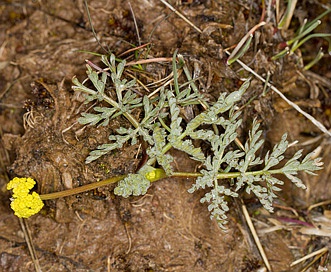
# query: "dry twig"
(256, 238)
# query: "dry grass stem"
(256, 238)
(243, 40)
(129, 238)
(134, 49)
(318, 124)
(315, 253)
(28, 239)
(145, 61)
(327, 202)
(135, 24)
(181, 16)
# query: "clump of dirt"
(167, 229)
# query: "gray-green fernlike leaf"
(175, 138)
(206, 180)
(307, 164)
(118, 141)
(81, 87)
(223, 104)
(133, 184)
(231, 158)
(93, 119)
(264, 194)
(131, 98)
(111, 62)
(293, 166)
(218, 205)
(98, 84)
(89, 118)
(277, 154)
(156, 152)
(251, 147)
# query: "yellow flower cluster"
(23, 203)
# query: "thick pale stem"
(83, 188)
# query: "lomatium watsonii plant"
(225, 169)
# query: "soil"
(45, 43)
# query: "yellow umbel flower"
(23, 203)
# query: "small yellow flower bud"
(155, 175)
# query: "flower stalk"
(81, 189)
